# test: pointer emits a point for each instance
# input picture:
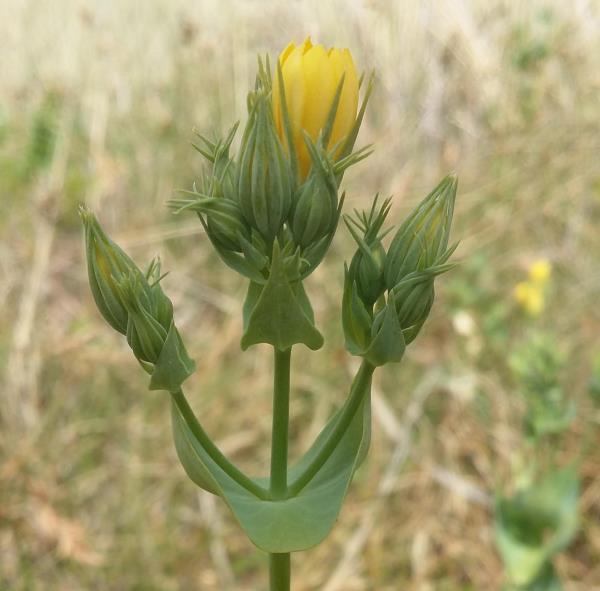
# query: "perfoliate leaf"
(535, 524)
(193, 461)
(276, 313)
(295, 523)
(173, 366)
(387, 343)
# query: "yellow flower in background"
(311, 74)
(530, 297)
(531, 294)
(539, 271)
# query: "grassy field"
(98, 102)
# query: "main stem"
(279, 564)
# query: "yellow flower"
(539, 271)
(530, 297)
(311, 74)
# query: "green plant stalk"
(360, 387)
(215, 453)
(279, 564)
(279, 572)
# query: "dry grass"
(97, 104)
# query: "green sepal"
(350, 140)
(295, 523)
(173, 366)
(278, 313)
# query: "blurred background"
(98, 103)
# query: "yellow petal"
(311, 75)
(319, 86)
(293, 82)
(343, 65)
(286, 52)
(306, 45)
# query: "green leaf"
(173, 366)
(279, 313)
(536, 523)
(192, 460)
(548, 420)
(387, 344)
(546, 581)
(356, 320)
(295, 523)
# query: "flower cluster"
(283, 185)
(388, 296)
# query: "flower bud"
(311, 75)
(315, 213)
(414, 298)
(368, 263)
(222, 218)
(264, 183)
(366, 268)
(135, 305)
(422, 240)
(106, 265)
(150, 317)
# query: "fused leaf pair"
(534, 525)
(304, 517)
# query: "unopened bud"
(106, 264)
(422, 240)
(366, 268)
(222, 218)
(413, 304)
(368, 263)
(315, 213)
(150, 317)
(264, 183)
(414, 297)
(134, 304)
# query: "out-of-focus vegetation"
(97, 105)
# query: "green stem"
(279, 572)
(360, 386)
(212, 450)
(281, 420)
(279, 564)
